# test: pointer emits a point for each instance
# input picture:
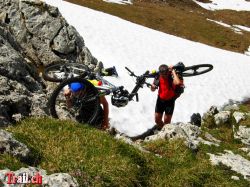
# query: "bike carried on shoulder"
(86, 105)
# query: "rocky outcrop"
(11, 146)
(222, 117)
(236, 162)
(42, 32)
(57, 179)
(32, 34)
(239, 116)
(185, 131)
(243, 134)
(18, 80)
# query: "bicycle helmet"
(119, 101)
(76, 86)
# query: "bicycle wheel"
(82, 106)
(60, 72)
(196, 70)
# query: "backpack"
(178, 90)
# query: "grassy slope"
(181, 18)
(95, 158)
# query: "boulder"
(236, 162)
(208, 117)
(10, 145)
(185, 131)
(211, 138)
(243, 133)
(222, 117)
(32, 34)
(234, 107)
(127, 140)
(57, 179)
(235, 178)
(43, 33)
(238, 116)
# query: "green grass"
(192, 168)
(95, 158)
(181, 18)
(92, 155)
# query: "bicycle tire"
(208, 67)
(62, 71)
(88, 114)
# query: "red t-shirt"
(166, 91)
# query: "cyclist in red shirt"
(167, 82)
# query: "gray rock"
(11, 146)
(238, 116)
(15, 101)
(243, 134)
(236, 162)
(245, 149)
(222, 117)
(173, 131)
(231, 107)
(32, 34)
(213, 110)
(211, 138)
(128, 140)
(208, 117)
(235, 178)
(43, 33)
(39, 106)
(61, 180)
(185, 131)
(201, 140)
(17, 117)
(53, 180)
(62, 42)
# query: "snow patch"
(238, 5)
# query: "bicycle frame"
(106, 88)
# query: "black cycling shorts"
(166, 106)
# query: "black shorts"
(166, 106)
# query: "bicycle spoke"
(81, 106)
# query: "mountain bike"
(85, 107)
(62, 71)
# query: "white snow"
(121, 43)
(239, 5)
(122, 2)
(242, 28)
(234, 28)
(248, 51)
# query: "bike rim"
(197, 70)
(83, 106)
(60, 72)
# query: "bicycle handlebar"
(131, 72)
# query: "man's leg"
(167, 118)
(159, 109)
(169, 111)
(158, 120)
(105, 105)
